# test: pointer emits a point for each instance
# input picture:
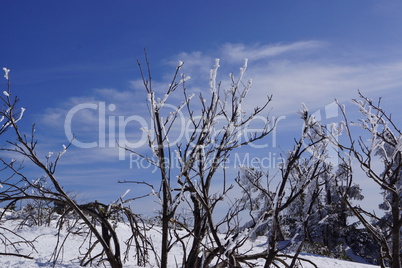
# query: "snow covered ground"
(45, 239)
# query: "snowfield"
(44, 239)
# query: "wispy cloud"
(103, 118)
(237, 52)
(300, 72)
(310, 78)
(317, 83)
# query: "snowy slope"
(46, 238)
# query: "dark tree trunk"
(396, 232)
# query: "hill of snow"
(44, 239)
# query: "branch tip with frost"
(6, 71)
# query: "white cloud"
(196, 60)
(316, 83)
(296, 72)
(237, 52)
(101, 118)
(312, 78)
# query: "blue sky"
(65, 53)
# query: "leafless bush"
(78, 219)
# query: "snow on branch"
(213, 75)
(6, 71)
